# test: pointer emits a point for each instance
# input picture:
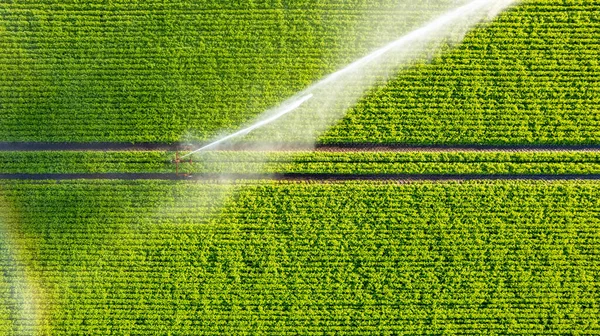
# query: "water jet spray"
(283, 110)
(337, 92)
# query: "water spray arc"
(341, 89)
(285, 109)
(415, 35)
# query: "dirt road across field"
(345, 147)
(350, 147)
(298, 177)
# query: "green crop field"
(532, 76)
(297, 258)
(155, 71)
(476, 205)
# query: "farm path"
(345, 147)
(316, 177)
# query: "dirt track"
(115, 146)
(350, 147)
(84, 146)
(297, 177)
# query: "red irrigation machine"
(179, 161)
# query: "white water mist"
(332, 96)
(280, 112)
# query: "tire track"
(87, 146)
(342, 147)
(398, 147)
(316, 177)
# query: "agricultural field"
(530, 77)
(304, 258)
(162, 72)
(150, 71)
(458, 195)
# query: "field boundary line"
(291, 147)
(317, 177)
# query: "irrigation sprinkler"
(178, 160)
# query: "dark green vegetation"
(305, 162)
(265, 257)
(154, 70)
(308, 259)
(150, 70)
(532, 76)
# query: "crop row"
(97, 72)
(519, 80)
(305, 162)
(302, 258)
(151, 71)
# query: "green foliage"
(139, 71)
(152, 70)
(86, 162)
(529, 77)
(306, 259)
(403, 162)
(6, 297)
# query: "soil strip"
(343, 147)
(316, 177)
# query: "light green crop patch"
(23, 303)
(529, 77)
(155, 71)
(152, 71)
(356, 258)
